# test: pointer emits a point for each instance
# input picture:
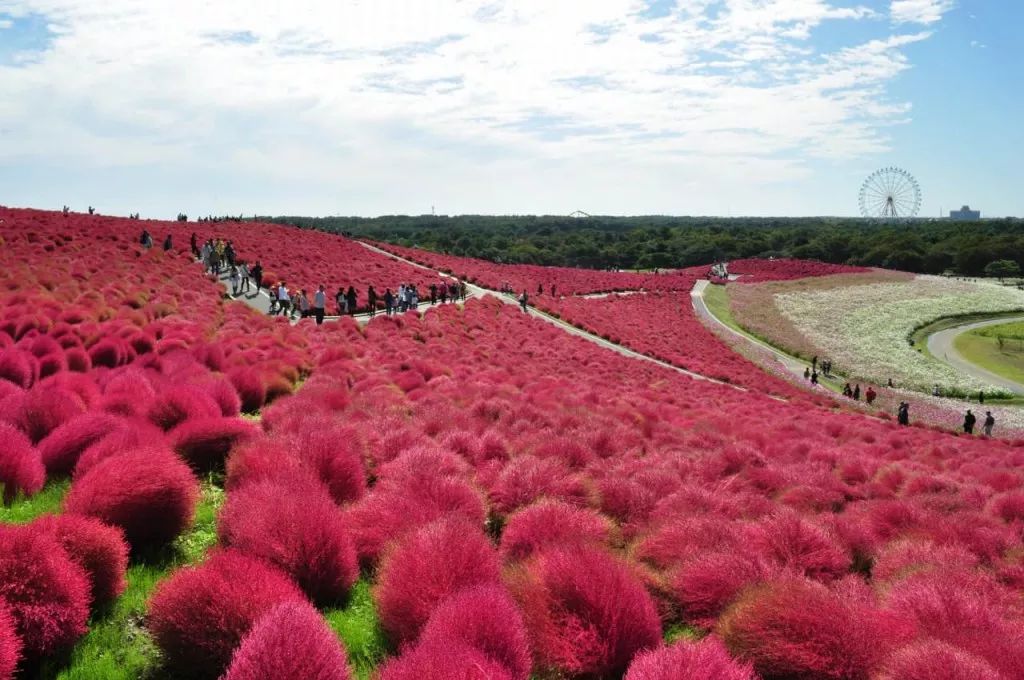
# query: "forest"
(645, 242)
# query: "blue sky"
(695, 107)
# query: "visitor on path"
(856, 393)
(814, 363)
(402, 301)
(146, 240)
(890, 382)
(807, 373)
(229, 253)
(389, 302)
(453, 291)
(215, 262)
(257, 275)
(523, 300)
(444, 293)
(935, 391)
(814, 378)
(870, 395)
(903, 413)
(989, 423)
(414, 296)
(319, 305)
(969, 421)
(272, 293)
(284, 300)
(351, 299)
(371, 301)
(194, 244)
(167, 243)
(340, 301)
(433, 294)
(981, 396)
(235, 279)
(847, 390)
(301, 306)
(243, 272)
(462, 290)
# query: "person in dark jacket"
(903, 413)
(969, 420)
(351, 298)
(389, 302)
(167, 243)
(371, 301)
(989, 423)
(257, 275)
(194, 244)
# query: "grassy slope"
(984, 351)
(919, 338)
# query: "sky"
(379, 107)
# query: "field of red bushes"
(519, 501)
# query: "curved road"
(941, 347)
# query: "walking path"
(941, 347)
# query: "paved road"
(941, 346)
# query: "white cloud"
(431, 92)
(5, 23)
(919, 11)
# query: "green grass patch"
(919, 337)
(48, 500)
(717, 300)
(681, 631)
(1008, 331)
(359, 629)
(984, 351)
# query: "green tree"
(1002, 268)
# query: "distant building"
(965, 213)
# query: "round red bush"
(149, 493)
(936, 660)
(21, 468)
(443, 662)
(204, 443)
(10, 643)
(174, 406)
(200, 614)
(333, 453)
(100, 550)
(799, 545)
(486, 619)
(797, 628)
(129, 436)
(61, 449)
(704, 660)
(46, 592)
(249, 385)
(42, 411)
(297, 529)
(427, 566)
(587, 612)
(552, 523)
(291, 641)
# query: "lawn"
(982, 347)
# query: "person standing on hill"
(284, 300)
(462, 290)
(870, 395)
(351, 299)
(814, 363)
(989, 423)
(146, 240)
(194, 244)
(257, 276)
(433, 294)
(523, 300)
(807, 373)
(444, 293)
(856, 393)
(389, 302)
(167, 243)
(339, 300)
(903, 413)
(319, 305)
(371, 301)
(981, 396)
(969, 421)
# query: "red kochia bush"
(443, 662)
(21, 469)
(47, 593)
(797, 628)
(97, 548)
(249, 385)
(935, 660)
(800, 545)
(10, 643)
(289, 642)
(204, 443)
(552, 523)
(42, 410)
(297, 528)
(178, 404)
(149, 493)
(427, 566)
(588, 613)
(333, 453)
(200, 614)
(486, 619)
(704, 660)
(61, 449)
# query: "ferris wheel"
(890, 193)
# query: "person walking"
(807, 373)
(814, 363)
(371, 301)
(903, 413)
(969, 421)
(856, 393)
(194, 244)
(870, 395)
(433, 294)
(389, 302)
(989, 423)
(981, 396)
(814, 378)
(523, 300)
(243, 271)
(319, 305)
(272, 293)
(339, 300)
(284, 300)
(215, 262)
(847, 390)
(401, 298)
(453, 292)
(234, 278)
(167, 243)
(257, 275)
(351, 299)
(462, 290)
(444, 293)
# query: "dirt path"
(942, 348)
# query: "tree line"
(644, 242)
